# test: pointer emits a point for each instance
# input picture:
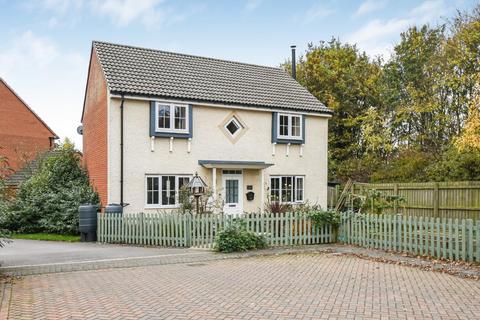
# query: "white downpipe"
(214, 183)
(262, 190)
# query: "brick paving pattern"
(307, 286)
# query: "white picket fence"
(187, 230)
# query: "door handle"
(231, 205)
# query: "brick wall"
(22, 133)
(95, 129)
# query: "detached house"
(23, 134)
(152, 119)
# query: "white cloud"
(317, 11)
(252, 4)
(27, 51)
(60, 7)
(375, 37)
(123, 12)
(370, 6)
(36, 68)
(377, 29)
(151, 13)
(428, 11)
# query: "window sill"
(291, 141)
(180, 135)
(292, 203)
(162, 207)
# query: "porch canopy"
(232, 164)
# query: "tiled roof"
(146, 72)
(18, 177)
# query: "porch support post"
(262, 190)
(214, 183)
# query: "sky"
(45, 44)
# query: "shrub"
(5, 202)
(236, 238)
(277, 207)
(373, 201)
(322, 218)
(206, 202)
(48, 201)
(4, 237)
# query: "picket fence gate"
(188, 230)
(451, 239)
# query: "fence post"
(470, 239)
(395, 203)
(435, 199)
(477, 231)
(99, 233)
(187, 229)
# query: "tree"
(346, 81)
(410, 80)
(470, 137)
(4, 201)
(462, 51)
(414, 117)
(48, 201)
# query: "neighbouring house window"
(289, 126)
(287, 189)
(172, 118)
(163, 190)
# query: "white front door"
(232, 193)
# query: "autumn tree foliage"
(413, 116)
(470, 137)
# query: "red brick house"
(22, 133)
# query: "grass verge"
(46, 237)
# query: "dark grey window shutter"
(190, 121)
(274, 126)
(303, 129)
(152, 118)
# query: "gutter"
(142, 97)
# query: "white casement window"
(171, 117)
(289, 126)
(163, 191)
(287, 189)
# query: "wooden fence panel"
(456, 200)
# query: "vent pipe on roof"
(294, 66)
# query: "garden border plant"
(235, 237)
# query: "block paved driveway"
(305, 286)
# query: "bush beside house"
(48, 201)
(236, 237)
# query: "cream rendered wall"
(210, 143)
